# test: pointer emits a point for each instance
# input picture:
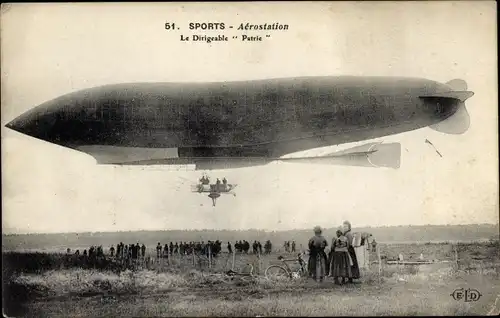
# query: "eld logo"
(467, 294)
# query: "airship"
(223, 125)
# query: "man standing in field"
(165, 250)
(229, 248)
(158, 251)
(131, 251)
(137, 250)
(268, 247)
(255, 247)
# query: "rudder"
(457, 84)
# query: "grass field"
(182, 288)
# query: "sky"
(52, 49)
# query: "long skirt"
(354, 266)
(340, 267)
(317, 266)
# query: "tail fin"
(457, 85)
(459, 122)
(456, 124)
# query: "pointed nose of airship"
(25, 125)
(12, 125)
(35, 123)
(17, 125)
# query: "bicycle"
(230, 276)
(243, 276)
(278, 272)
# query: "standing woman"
(350, 249)
(317, 255)
(340, 265)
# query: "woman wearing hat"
(317, 255)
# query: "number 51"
(169, 26)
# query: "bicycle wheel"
(276, 273)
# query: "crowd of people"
(244, 247)
(289, 248)
(341, 262)
(129, 254)
(166, 250)
(138, 251)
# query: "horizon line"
(243, 230)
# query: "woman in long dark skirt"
(340, 266)
(352, 253)
(317, 255)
